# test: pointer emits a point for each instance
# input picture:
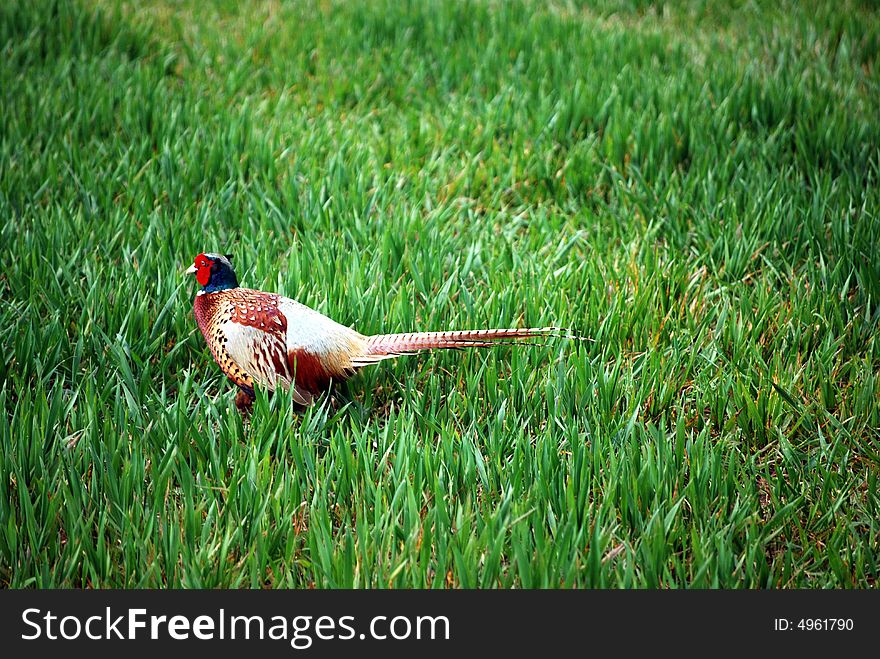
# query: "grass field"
(694, 186)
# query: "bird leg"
(244, 401)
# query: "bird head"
(214, 272)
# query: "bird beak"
(191, 270)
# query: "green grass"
(692, 185)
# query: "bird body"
(266, 340)
(270, 341)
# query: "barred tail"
(386, 346)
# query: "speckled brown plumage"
(211, 310)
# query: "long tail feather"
(386, 346)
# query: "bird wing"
(263, 356)
(277, 342)
(254, 336)
(322, 348)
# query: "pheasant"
(266, 340)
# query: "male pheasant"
(270, 341)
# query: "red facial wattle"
(203, 270)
